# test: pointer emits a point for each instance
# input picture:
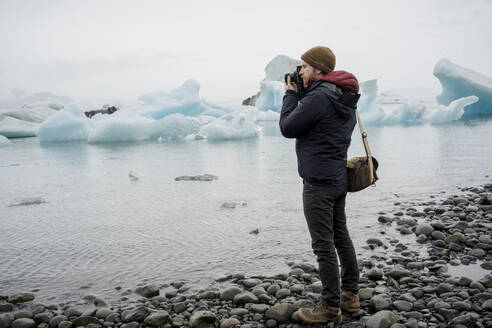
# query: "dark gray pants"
(324, 209)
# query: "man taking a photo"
(322, 123)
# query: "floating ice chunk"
(238, 125)
(454, 111)
(14, 128)
(271, 96)
(23, 98)
(4, 141)
(121, 126)
(68, 124)
(268, 116)
(458, 82)
(279, 66)
(34, 114)
(175, 126)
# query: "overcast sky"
(116, 50)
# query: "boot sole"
(337, 320)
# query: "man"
(322, 123)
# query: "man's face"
(307, 73)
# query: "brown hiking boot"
(320, 314)
(349, 302)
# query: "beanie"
(321, 58)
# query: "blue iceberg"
(458, 82)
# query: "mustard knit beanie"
(321, 58)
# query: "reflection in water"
(99, 227)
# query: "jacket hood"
(342, 79)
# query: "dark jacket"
(322, 123)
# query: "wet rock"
(238, 311)
(273, 289)
(403, 306)
(147, 291)
(282, 293)
(366, 293)
(444, 288)
(157, 319)
(382, 319)
(23, 314)
(385, 219)
(375, 274)
(65, 324)
(23, 323)
(249, 283)
(130, 325)
(455, 247)
(72, 312)
(203, 319)
(438, 235)
(56, 320)
(21, 298)
(486, 265)
(137, 315)
(477, 285)
(103, 313)
(280, 312)
(380, 302)
(460, 200)
(204, 177)
(7, 307)
(228, 323)
(259, 308)
(462, 306)
(424, 229)
(398, 273)
(449, 314)
(374, 241)
(464, 281)
(244, 298)
(229, 293)
(209, 294)
(85, 321)
(487, 305)
(43, 317)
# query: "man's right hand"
(289, 85)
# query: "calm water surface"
(93, 226)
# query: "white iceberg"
(458, 82)
(14, 128)
(276, 69)
(268, 116)
(4, 141)
(237, 125)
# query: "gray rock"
(366, 293)
(43, 317)
(238, 311)
(398, 273)
(251, 282)
(137, 315)
(444, 288)
(259, 308)
(179, 307)
(403, 306)
(382, 319)
(280, 312)
(229, 293)
(147, 291)
(282, 293)
(477, 285)
(23, 314)
(374, 241)
(23, 322)
(460, 200)
(56, 320)
(487, 305)
(244, 298)
(486, 265)
(103, 313)
(375, 274)
(273, 289)
(379, 303)
(203, 319)
(455, 238)
(449, 314)
(7, 307)
(84, 321)
(130, 325)
(438, 235)
(157, 319)
(72, 312)
(21, 298)
(424, 229)
(463, 320)
(65, 324)
(209, 294)
(464, 281)
(228, 323)
(270, 323)
(303, 304)
(462, 306)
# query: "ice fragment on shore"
(14, 128)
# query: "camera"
(296, 79)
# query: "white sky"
(116, 50)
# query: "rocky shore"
(401, 288)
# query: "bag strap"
(366, 146)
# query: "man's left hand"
(290, 86)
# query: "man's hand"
(290, 86)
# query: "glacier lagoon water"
(74, 222)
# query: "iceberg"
(268, 116)
(237, 125)
(279, 66)
(4, 141)
(458, 82)
(271, 96)
(14, 128)
(69, 124)
(177, 114)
